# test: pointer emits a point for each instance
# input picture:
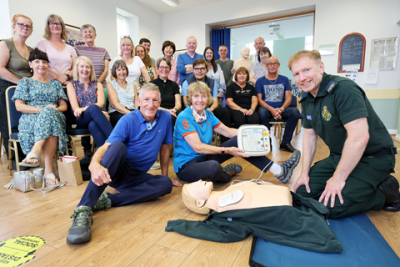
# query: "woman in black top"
(241, 98)
(170, 95)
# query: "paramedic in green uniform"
(355, 177)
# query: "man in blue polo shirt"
(184, 64)
(123, 161)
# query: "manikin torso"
(244, 61)
(255, 196)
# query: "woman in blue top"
(86, 96)
(194, 156)
(42, 124)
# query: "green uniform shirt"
(340, 101)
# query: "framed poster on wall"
(352, 52)
(74, 35)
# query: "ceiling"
(162, 8)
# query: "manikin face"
(258, 43)
(199, 102)
(245, 52)
(308, 74)
(149, 103)
(39, 66)
(147, 46)
(191, 45)
(201, 191)
(89, 35)
(163, 70)
(273, 65)
(84, 70)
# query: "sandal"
(51, 176)
(31, 155)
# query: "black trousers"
(224, 115)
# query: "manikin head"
(245, 52)
(195, 195)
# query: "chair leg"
(275, 129)
(9, 157)
(1, 145)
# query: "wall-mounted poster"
(351, 53)
(384, 53)
(74, 35)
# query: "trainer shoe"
(232, 169)
(390, 187)
(104, 203)
(81, 224)
(155, 166)
(288, 167)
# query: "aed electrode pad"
(254, 139)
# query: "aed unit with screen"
(254, 139)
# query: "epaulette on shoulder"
(330, 88)
(303, 96)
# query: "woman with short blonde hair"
(61, 55)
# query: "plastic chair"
(13, 119)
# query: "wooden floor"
(134, 235)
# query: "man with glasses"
(274, 97)
(185, 61)
(123, 161)
(225, 63)
(200, 71)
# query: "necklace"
(276, 79)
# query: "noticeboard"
(352, 52)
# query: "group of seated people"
(145, 115)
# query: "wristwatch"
(223, 150)
(253, 109)
(68, 77)
(282, 109)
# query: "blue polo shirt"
(142, 139)
(273, 93)
(214, 90)
(185, 125)
(185, 59)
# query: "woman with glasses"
(260, 68)
(86, 96)
(170, 95)
(61, 55)
(214, 70)
(168, 49)
(14, 54)
(98, 55)
(141, 52)
(134, 63)
(121, 93)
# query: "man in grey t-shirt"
(225, 63)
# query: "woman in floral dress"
(42, 124)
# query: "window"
(127, 24)
(309, 45)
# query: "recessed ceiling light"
(172, 3)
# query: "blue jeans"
(99, 127)
(208, 167)
(290, 115)
(133, 184)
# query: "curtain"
(219, 37)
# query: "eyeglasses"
(223, 50)
(154, 101)
(55, 24)
(26, 26)
(164, 68)
(272, 64)
(200, 69)
(126, 36)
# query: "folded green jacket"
(302, 226)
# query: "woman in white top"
(214, 70)
(135, 64)
(62, 57)
(121, 93)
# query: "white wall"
(100, 13)
(5, 29)
(333, 20)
